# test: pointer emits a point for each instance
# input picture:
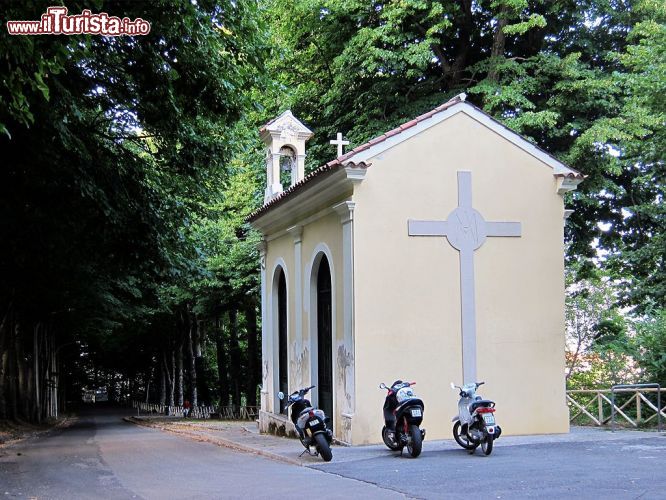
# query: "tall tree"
(107, 144)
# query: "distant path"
(101, 456)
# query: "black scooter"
(310, 424)
(403, 414)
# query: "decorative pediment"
(286, 127)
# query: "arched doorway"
(325, 339)
(283, 366)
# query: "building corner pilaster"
(266, 338)
(299, 353)
(346, 357)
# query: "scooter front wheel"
(462, 438)
(391, 444)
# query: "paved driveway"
(102, 456)
(613, 467)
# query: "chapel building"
(433, 253)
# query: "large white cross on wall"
(466, 230)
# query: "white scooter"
(475, 423)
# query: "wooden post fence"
(596, 406)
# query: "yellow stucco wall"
(322, 235)
(407, 289)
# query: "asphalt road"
(627, 468)
(103, 457)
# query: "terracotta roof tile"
(329, 167)
(572, 175)
(374, 141)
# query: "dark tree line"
(212, 360)
(111, 148)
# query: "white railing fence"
(199, 412)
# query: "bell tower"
(285, 138)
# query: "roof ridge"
(404, 126)
(339, 161)
(326, 167)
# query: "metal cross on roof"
(339, 143)
(466, 230)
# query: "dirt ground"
(11, 431)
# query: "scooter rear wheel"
(415, 444)
(487, 445)
(323, 447)
(461, 438)
(390, 444)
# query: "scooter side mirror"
(453, 386)
(383, 386)
(280, 395)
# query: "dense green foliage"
(130, 164)
(584, 80)
(111, 147)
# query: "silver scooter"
(475, 423)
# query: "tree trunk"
(179, 374)
(235, 358)
(191, 334)
(223, 380)
(29, 394)
(4, 359)
(167, 378)
(21, 376)
(499, 42)
(253, 375)
(12, 370)
(163, 379)
(202, 379)
(150, 375)
(172, 400)
(46, 392)
(35, 347)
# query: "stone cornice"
(345, 210)
(316, 196)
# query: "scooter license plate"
(489, 418)
(416, 412)
(313, 423)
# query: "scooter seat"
(480, 404)
(306, 410)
